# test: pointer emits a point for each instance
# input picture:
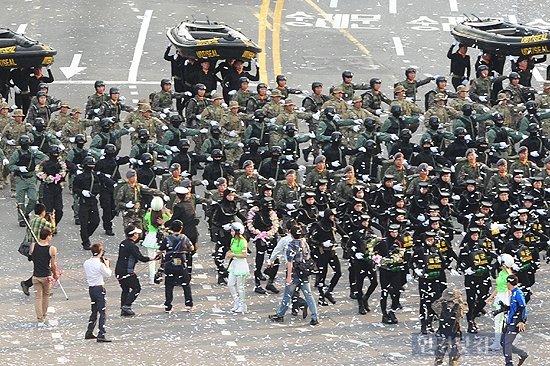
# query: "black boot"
(386, 319)
(471, 327)
(271, 288)
(362, 310)
(306, 153)
(366, 304)
(329, 297)
(392, 316)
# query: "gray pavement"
(318, 40)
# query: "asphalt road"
(309, 40)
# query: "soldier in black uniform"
(308, 213)
(147, 175)
(460, 64)
(74, 159)
(405, 146)
(538, 145)
(42, 139)
(524, 266)
(216, 169)
(335, 153)
(188, 161)
(273, 168)
(51, 188)
(259, 99)
(457, 148)
(469, 203)
(232, 79)
(205, 75)
(176, 67)
(368, 162)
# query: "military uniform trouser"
(324, 260)
(107, 203)
(363, 269)
(223, 243)
(88, 215)
(133, 218)
(429, 291)
(263, 248)
(477, 290)
(390, 284)
(25, 188)
(232, 156)
(447, 342)
(53, 200)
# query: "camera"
(503, 308)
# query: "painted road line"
(276, 37)
(22, 28)
(333, 4)
(348, 35)
(398, 46)
(73, 68)
(132, 75)
(453, 5)
(262, 60)
(267, 24)
(393, 6)
(512, 19)
(537, 75)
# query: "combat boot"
(362, 310)
(423, 328)
(271, 287)
(471, 327)
(329, 297)
(392, 316)
(366, 304)
(306, 153)
(386, 319)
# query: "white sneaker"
(241, 308)
(235, 306)
(494, 347)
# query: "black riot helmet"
(24, 142)
(433, 122)
(110, 149)
(460, 131)
(88, 161)
(143, 135)
(409, 70)
(253, 143)
(316, 84)
(184, 145)
(259, 115)
(41, 94)
(99, 83)
(43, 86)
(347, 74)
(280, 77)
(114, 90)
(164, 82)
(39, 124)
(260, 86)
(427, 141)
(369, 124)
(215, 131)
(482, 143)
(175, 120)
(276, 151)
(217, 154)
(482, 68)
(370, 144)
(533, 128)
(395, 110)
(330, 112)
(440, 79)
(467, 109)
(531, 107)
(106, 124)
(80, 140)
(290, 127)
(54, 151)
(405, 134)
(146, 158)
(374, 81)
(513, 75)
(498, 117)
(335, 137)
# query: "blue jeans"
(287, 297)
(97, 296)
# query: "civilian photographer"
(515, 322)
(97, 269)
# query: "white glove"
(394, 137)
(469, 271)
(58, 133)
(166, 110)
(240, 144)
(291, 206)
(226, 227)
(212, 92)
(503, 145)
(455, 197)
(188, 93)
(289, 157)
(455, 42)
(86, 193)
(16, 89)
(198, 117)
(541, 211)
(378, 112)
(247, 195)
(349, 102)
(197, 196)
(131, 129)
(185, 174)
(468, 138)
(516, 268)
(327, 244)
(335, 164)
(71, 140)
(409, 99)
(316, 115)
(301, 109)
(164, 127)
(203, 130)
(419, 272)
(204, 182)
(534, 154)
(166, 198)
(486, 109)
(130, 204)
(34, 148)
(305, 92)
(209, 159)
(282, 102)
(359, 256)
(5, 162)
(511, 58)
(96, 110)
(224, 105)
(232, 92)
(311, 135)
(336, 118)
(96, 119)
(464, 82)
(273, 120)
(358, 122)
(421, 118)
(302, 168)
(232, 133)
(133, 161)
(421, 218)
(61, 147)
(107, 175)
(174, 149)
(23, 169)
(433, 149)
(11, 142)
(453, 169)
(409, 277)
(362, 149)
(501, 227)
(162, 116)
(185, 64)
(122, 98)
(398, 187)
(168, 152)
(365, 177)
(454, 272)
(482, 98)
(214, 123)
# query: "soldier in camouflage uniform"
(445, 113)
(343, 193)
(258, 99)
(274, 107)
(398, 170)
(501, 138)
(94, 101)
(146, 121)
(112, 108)
(408, 109)
(128, 199)
(213, 112)
(320, 171)
(543, 102)
(289, 115)
(463, 98)
(260, 129)
(248, 184)
(505, 109)
(193, 113)
(441, 84)
(10, 137)
(287, 197)
(481, 88)
(285, 90)
(42, 109)
(349, 87)
(331, 122)
(313, 103)
(528, 168)
(290, 143)
(373, 97)
(174, 180)
(162, 100)
(215, 141)
(350, 134)
(50, 100)
(135, 114)
(500, 178)
(73, 127)
(4, 115)
(232, 128)
(59, 119)
(411, 84)
(336, 101)
(472, 170)
(242, 95)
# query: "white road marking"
(201, 275)
(538, 77)
(132, 76)
(21, 29)
(512, 19)
(198, 266)
(134, 93)
(73, 69)
(207, 287)
(453, 4)
(211, 298)
(359, 343)
(398, 46)
(220, 321)
(393, 6)
(333, 4)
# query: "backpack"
(449, 321)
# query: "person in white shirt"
(97, 269)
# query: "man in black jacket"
(128, 256)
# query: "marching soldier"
(162, 100)
(336, 101)
(113, 107)
(42, 109)
(74, 126)
(106, 136)
(312, 104)
(373, 97)
(289, 115)
(10, 139)
(460, 64)
(214, 111)
(411, 84)
(145, 120)
(441, 84)
(59, 119)
(349, 87)
(280, 80)
(94, 101)
(41, 139)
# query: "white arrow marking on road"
(74, 69)
(393, 6)
(398, 46)
(333, 4)
(453, 5)
(21, 29)
(132, 76)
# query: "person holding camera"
(175, 248)
(97, 268)
(515, 322)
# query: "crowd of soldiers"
(479, 176)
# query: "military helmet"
(215, 128)
(482, 141)
(41, 94)
(254, 141)
(369, 122)
(290, 127)
(80, 138)
(433, 121)
(114, 90)
(43, 86)
(498, 117)
(374, 81)
(259, 114)
(335, 136)
(409, 70)
(110, 149)
(280, 77)
(143, 133)
(260, 86)
(276, 149)
(99, 83)
(395, 109)
(243, 79)
(200, 86)
(105, 122)
(426, 140)
(216, 153)
(175, 119)
(347, 74)
(330, 111)
(370, 144)
(513, 75)
(182, 143)
(405, 133)
(532, 127)
(460, 131)
(531, 106)
(89, 160)
(316, 84)
(467, 108)
(440, 79)
(39, 122)
(164, 82)
(146, 158)
(24, 139)
(54, 150)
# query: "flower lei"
(58, 177)
(396, 257)
(262, 235)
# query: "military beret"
(220, 181)
(174, 166)
(247, 163)
(348, 168)
(501, 162)
(290, 171)
(130, 173)
(547, 160)
(320, 159)
(523, 149)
